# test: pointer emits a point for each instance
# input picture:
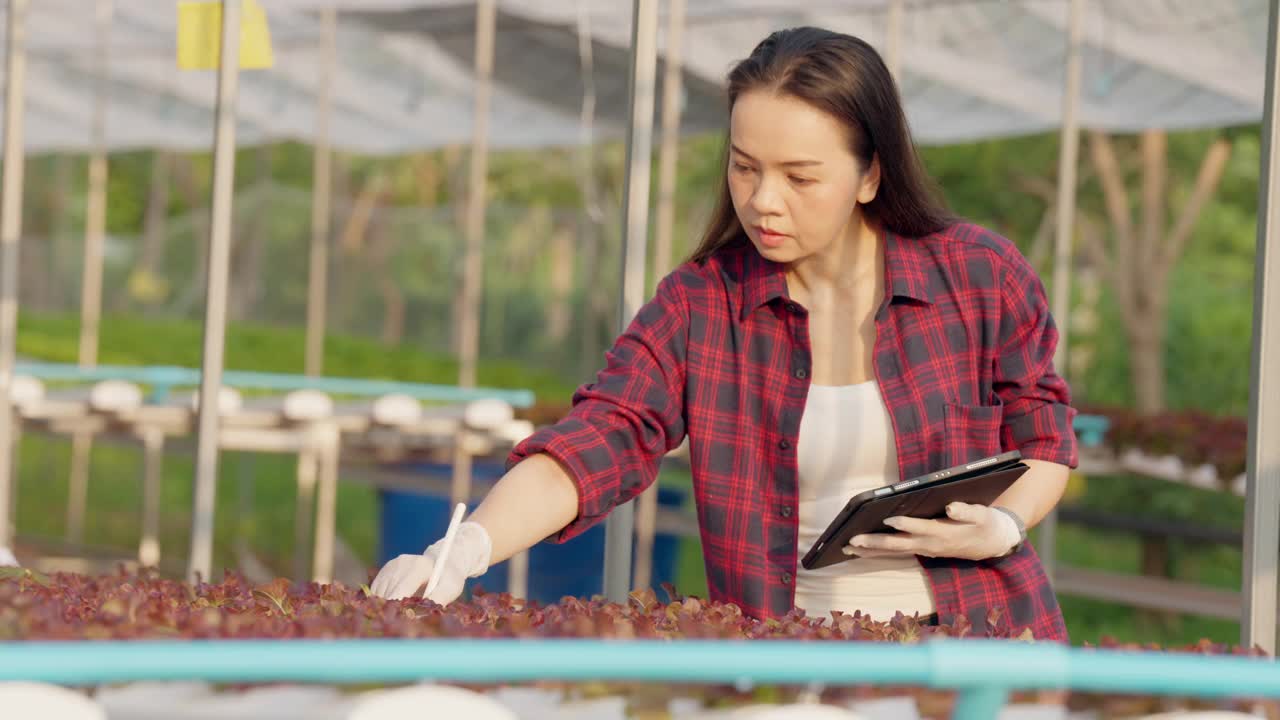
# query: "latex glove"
(969, 532)
(407, 575)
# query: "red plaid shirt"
(963, 356)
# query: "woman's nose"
(765, 200)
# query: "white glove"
(6, 558)
(407, 575)
(969, 532)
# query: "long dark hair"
(846, 78)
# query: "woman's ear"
(870, 184)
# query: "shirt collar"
(906, 261)
(763, 280)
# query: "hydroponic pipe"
(978, 665)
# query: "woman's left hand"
(969, 532)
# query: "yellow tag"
(200, 38)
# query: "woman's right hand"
(407, 575)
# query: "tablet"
(979, 483)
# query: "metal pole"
(326, 504)
(15, 459)
(893, 40)
(152, 477)
(78, 485)
(96, 209)
(644, 59)
(646, 515)
(321, 194)
(669, 153)
(1068, 154)
(1262, 521)
(10, 233)
(304, 509)
(215, 315)
(473, 257)
(95, 230)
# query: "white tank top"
(846, 446)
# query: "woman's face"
(795, 184)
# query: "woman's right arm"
(533, 501)
(567, 477)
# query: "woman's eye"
(739, 167)
(801, 181)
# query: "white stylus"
(454, 522)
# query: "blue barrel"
(410, 521)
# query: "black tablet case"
(925, 501)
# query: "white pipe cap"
(487, 414)
(115, 396)
(26, 390)
(229, 401)
(396, 409)
(304, 405)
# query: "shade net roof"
(970, 69)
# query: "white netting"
(970, 68)
(550, 273)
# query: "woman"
(836, 330)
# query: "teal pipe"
(1090, 428)
(983, 666)
(362, 386)
(979, 703)
(67, 372)
(167, 377)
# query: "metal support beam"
(1262, 499)
(95, 226)
(152, 479)
(304, 509)
(215, 315)
(1068, 157)
(893, 40)
(668, 155)
(477, 187)
(78, 485)
(473, 257)
(10, 233)
(326, 504)
(321, 196)
(620, 526)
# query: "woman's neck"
(843, 269)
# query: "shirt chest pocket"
(970, 432)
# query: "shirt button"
(786, 578)
(786, 511)
(794, 308)
(784, 444)
(801, 373)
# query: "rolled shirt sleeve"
(1038, 415)
(622, 424)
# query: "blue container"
(411, 521)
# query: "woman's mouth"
(769, 238)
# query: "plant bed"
(144, 605)
(1195, 437)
